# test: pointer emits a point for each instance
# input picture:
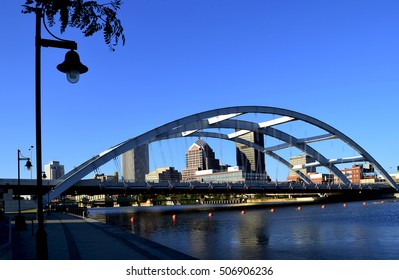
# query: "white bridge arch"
(196, 124)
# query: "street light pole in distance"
(20, 219)
(30, 150)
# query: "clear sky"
(337, 61)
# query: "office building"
(299, 162)
(199, 156)
(54, 170)
(251, 160)
(135, 164)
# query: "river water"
(335, 232)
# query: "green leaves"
(89, 16)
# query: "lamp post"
(20, 219)
(44, 177)
(30, 150)
(72, 67)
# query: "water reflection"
(336, 232)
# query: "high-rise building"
(135, 164)
(250, 159)
(54, 170)
(299, 161)
(199, 156)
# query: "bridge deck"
(92, 186)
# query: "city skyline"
(332, 61)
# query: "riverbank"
(199, 207)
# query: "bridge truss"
(234, 121)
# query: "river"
(355, 231)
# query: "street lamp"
(44, 177)
(20, 219)
(30, 150)
(73, 67)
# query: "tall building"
(298, 161)
(135, 164)
(251, 160)
(302, 160)
(199, 156)
(54, 170)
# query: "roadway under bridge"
(95, 187)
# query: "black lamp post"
(44, 177)
(72, 67)
(30, 150)
(20, 219)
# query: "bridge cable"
(153, 157)
(305, 139)
(143, 162)
(118, 167)
(259, 155)
(170, 152)
(265, 145)
(240, 155)
(290, 169)
(277, 164)
(162, 154)
(258, 167)
(221, 145)
(97, 171)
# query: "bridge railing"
(239, 188)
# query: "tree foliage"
(89, 16)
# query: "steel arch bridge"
(198, 125)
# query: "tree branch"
(89, 16)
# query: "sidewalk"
(75, 238)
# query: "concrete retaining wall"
(11, 205)
(5, 239)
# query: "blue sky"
(337, 61)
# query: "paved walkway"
(75, 238)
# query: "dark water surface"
(357, 231)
